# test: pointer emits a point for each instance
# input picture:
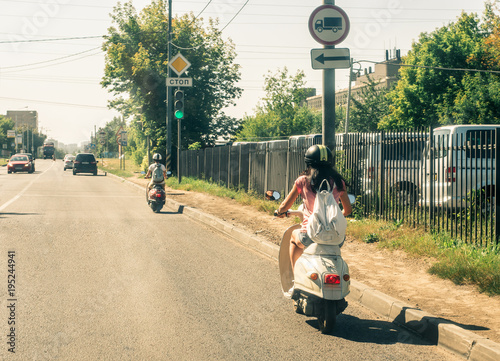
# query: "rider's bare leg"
(296, 248)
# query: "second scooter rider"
(151, 169)
(319, 160)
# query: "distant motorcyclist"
(157, 172)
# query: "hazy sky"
(60, 79)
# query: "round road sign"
(329, 25)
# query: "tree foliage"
(368, 108)
(5, 125)
(137, 66)
(282, 112)
(428, 95)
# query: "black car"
(85, 163)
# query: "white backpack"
(326, 225)
(157, 174)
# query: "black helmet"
(318, 155)
(157, 157)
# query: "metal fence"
(440, 181)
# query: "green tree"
(5, 125)
(137, 65)
(282, 112)
(110, 144)
(368, 107)
(429, 95)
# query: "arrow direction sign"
(330, 58)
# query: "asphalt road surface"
(99, 276)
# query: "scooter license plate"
(85, 163)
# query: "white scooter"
(320, 281)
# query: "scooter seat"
(317, 248)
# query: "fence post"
(382, 175)
(266, 167)
(287, 174)
(431, 177)
(229, 178)
(497, 181)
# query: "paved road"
(99, 276)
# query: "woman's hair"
(316, 175)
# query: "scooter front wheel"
(328, 317)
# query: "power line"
(431, 67)
(56, 103)
(245, 4)
(62, 62)
(53, 39)
(202, 10)
(51, 60)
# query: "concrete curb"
(438, 331)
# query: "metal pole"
(179, 124)
(348, 99)
(168, 155)
(328, 123)
(149, 151)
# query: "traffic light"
(179, 104)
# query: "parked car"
(20, 163)
(85, 163)
(68, 161)
(460, 164)
(400, 172)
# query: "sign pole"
(328, 123)
(168, 103)
(329, 25)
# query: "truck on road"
(48, 149)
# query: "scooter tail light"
(159, 195)
(331, 279)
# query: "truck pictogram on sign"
(334, 24)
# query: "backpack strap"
(327, 185)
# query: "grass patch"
(112, 165)
(242, 197)
(453, 260)
(469, 264)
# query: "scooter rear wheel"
(328, 317)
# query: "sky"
(51, 59)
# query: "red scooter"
(156, 198)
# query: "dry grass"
(112, 165)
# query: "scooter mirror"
(352, 198)
(273, 195)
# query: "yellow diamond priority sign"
(179, 64)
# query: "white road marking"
(8, 203)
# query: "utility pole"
(168, 102)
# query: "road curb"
(438, 331)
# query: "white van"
(399, 174)
(460, 161)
